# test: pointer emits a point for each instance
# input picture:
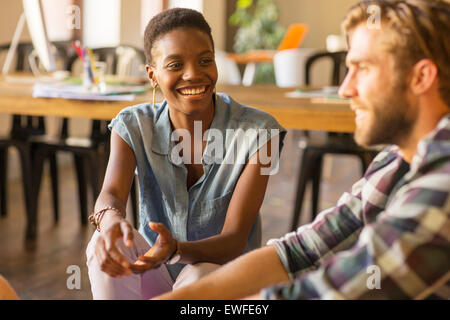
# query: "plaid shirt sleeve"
(337, 228)
(333, 230)
(403, 253)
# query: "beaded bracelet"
(96, 217)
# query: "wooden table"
(292, 113)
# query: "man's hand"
(164, 247)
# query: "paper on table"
(325, 92)
(70, 91)
(326, 95)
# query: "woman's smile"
(194, 92)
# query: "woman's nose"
(191, 73)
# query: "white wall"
(192, 4)
(148, 9)
(101, 23)
(132, 29)
(323, 17)
(56, 14)
(214, 12)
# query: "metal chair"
(23, 128)
(90, 154)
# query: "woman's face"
(183, 66)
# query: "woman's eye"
(206, 60)
(174, 65)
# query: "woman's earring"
(215, 94)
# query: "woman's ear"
(151, 75)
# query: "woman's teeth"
(193, 91)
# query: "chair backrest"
(338, 70)
(293, 37)
(123, 60)
(228, 70)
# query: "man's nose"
(348, 87)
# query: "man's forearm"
(239, 278)
(218, 249)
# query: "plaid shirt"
(389, 238)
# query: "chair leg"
(304, 175)
(82, 192)
(54, 180)
(3, 180)
(316, 178)
(94, 176)
(31, 183)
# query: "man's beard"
(393, 120)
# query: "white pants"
(138, 286)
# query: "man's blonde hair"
(420, 30)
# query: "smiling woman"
(183, 67)
(197, 213)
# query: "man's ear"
(424, 75)
(151, 75)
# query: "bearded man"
(389, 237)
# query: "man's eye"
(363, 67)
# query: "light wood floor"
(37, 269)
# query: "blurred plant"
(258, 29)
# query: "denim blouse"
(199, 212)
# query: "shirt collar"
(163, 129)
(435, 145)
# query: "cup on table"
(94, 78)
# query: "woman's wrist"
(176, 255)
(104, 217)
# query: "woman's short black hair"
(169, 20)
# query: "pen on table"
(92, 60)
(87, 65)
(76, 45)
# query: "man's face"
(385, 113)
